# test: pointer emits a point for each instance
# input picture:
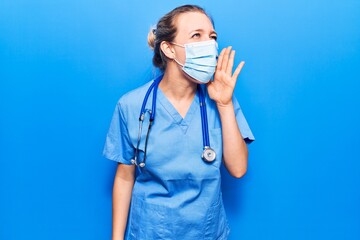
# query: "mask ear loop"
(177, 44)
(182, 65)
(177, 61)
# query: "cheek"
(180, 55)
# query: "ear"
(167, 49)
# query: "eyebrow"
(201, 30)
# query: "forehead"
(190, 21)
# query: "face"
(191, 27)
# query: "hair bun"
(151, 38)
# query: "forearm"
(235, 152)
(122, 190)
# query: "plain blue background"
(64, 64)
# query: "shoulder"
(134, 98)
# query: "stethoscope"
(208, 154)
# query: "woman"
(168, 184)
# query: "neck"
(176, 86)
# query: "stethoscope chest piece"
(208, 154)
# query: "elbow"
(238, 173)
(238, 170)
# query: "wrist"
(224, 109)
(225, 106)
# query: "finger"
(238, 70)
(220, 59)
(226, 58)
(230, 63)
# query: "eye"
(214, 37)
(196, 35)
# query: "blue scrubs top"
(177, 195)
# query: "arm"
(122, 189)
(235, 151)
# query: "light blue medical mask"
(201, 59)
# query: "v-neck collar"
(183, 123)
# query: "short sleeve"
(118, 146)
(242, 123)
